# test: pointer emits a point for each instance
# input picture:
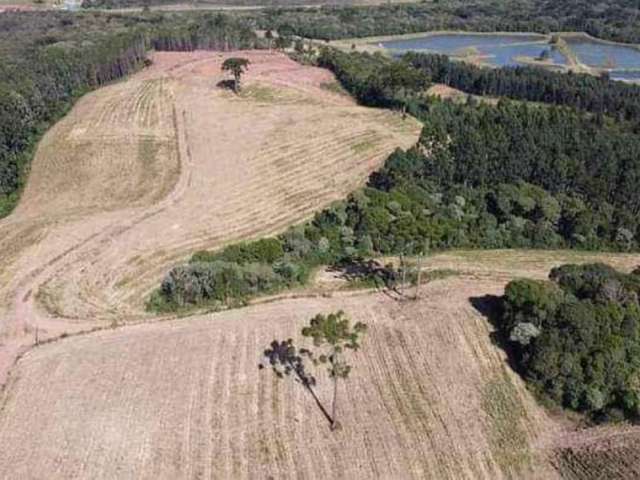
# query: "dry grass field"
(143, 172)
(431, 397)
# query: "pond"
(495, 49)
(621, 61)
(604, 55)
(627, 75)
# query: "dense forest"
(511, 175)
(576, 338)
(49, 60)
(599, 95)
(561, 150)
(613, 20)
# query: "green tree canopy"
(576, 338)
(237, 66)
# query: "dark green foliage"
(50, 60)
(267, 250)
(590, 169)
(618, 100)
(582, 174)
(375, 80)
(217, 281)
(334, 331)
(576, 338)
(613, 20)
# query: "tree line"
(612, 20)
(599, 95)
(50, 60)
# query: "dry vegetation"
(607, 452)
(143, 172)
(431, 397)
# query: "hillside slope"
(142, 173)
(145, 171)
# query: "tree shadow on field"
(383, 277)
(490, 307)
(286, 361)
(226, 84)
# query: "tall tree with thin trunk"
(237, 66)
(269, 36)
(333, 337)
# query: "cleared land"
(431, 397)
(143, 172)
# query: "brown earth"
(143, 172)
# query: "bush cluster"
(576, 338)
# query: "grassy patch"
(259, 93)
(334, 87)
(363, 146)
(507, 434)
(50, 301)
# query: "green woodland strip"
(513, 175)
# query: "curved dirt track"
(143, 172)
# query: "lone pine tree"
(333, 337)
(237, 66)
